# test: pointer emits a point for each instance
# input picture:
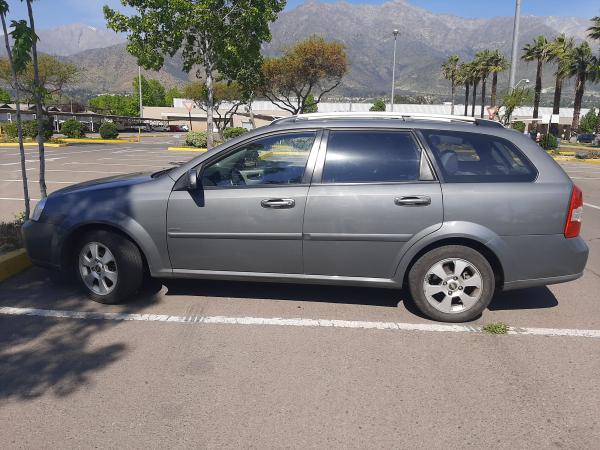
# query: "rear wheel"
(109, 266)
(452, 283)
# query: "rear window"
(371, 157)
(478, 158)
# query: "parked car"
(177, 128)
(160, 128)
(455, 209)
(586, 138)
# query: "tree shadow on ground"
(41, 355)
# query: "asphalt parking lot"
(205, 364)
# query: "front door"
(247, 215)
(376, 192)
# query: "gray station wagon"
(453, 208)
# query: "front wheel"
(452, 283)
(109, 267)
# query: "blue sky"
(60, 12)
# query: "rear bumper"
(40, 240)
(522, 284)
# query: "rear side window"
(371, 157)
(478, 158)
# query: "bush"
(108, 130)
(72, 128)
(30, 129)
(9, 129)
(549, 142)
(378, 105)
(589, 122)
(234, 132)
(588, 155)
(519, 126)
(196, 139)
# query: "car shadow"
(532, 298)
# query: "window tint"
(371, 156)
(279, 159)
(477, 158)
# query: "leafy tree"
(4, 95)
(310, 105)
(378, 105)
(119, 105)
(484, 64)
(108, 130)
(72, 128)
(216, 36)
(310, 67)
(450, 72)
(589, 122)
(171, 94)
(539, 51)
(464, 76)
(475, 69)
(560, 53)
(497, 63)
(227, 99)
(594, 33)
(584, 67)
(511, 100)
(234, 132)
(153, 92)
(17, 61)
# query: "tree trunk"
(483, 83)
(475, 84)
(467, 89)
(494, 89)
(579, 90)
(556, 104)
(210, 100)
(538, 90)
(38, 105)
(452, 94)
(19, 121)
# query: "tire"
(452, 283)
(113, 272)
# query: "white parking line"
(37, 181)
(296, 322)
(591, 206)
(18, 199)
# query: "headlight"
(37, 212)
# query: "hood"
(116, 181)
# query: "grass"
(495, 328)
(10, 234)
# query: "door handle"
(413, 200)
(278, 203)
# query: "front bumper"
(41, 243)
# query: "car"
(160, 128)
(454, 209)
(586, 138)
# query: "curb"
(12, 263)
(100, 141)
(187, 149)
(30, 144)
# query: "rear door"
(372, 191)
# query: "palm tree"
(483, 59)
(561, 49)
(475, 78)
(498, 63)
(450, 72)
(464, 77)
(540, 51)
(583, 66)
(594, 33)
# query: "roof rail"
(388, 115)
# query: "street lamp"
(524, 80)
(515, 45)
(396, 32)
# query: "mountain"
(426, 39)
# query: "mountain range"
(426, 39)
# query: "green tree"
(561, 50)
(594, 33)
(511, 100)
(153, 92)
(171, 94)
(539, 51)
(484, 64)
(498, 64)
(450, 71)
(378, 105)
(217, 36)
(584, 67)
(589, 122)
(310, 67)
(475, 69)
(5, 96)
(18, 57)
(464, 77)
(310, 105)
(115, 104)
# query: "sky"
(51, 13)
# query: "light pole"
(396, 32)
(140, 89)
(524, 80)
(515, 45)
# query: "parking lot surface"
(203, 363)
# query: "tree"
(475, 78)
(561, 49)
(450, 72)
(310, 106)
(18, 57)
(594, 33)
(153, 92)
(539, 51)
(378, 105)
(4, 95)
(511, 100)
(584, 67)
(498, 63)
(118, 105)
(212, 36)
(310, 67)
(227, 99)
(172, 94)
(589, 122)
(464, 77)
(484, 64)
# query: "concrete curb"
(31, 144)
(187, 149)
(12, 263)
(100, 141)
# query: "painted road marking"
(19, 199)
(296, 322)
(591, 206)
(37, 181)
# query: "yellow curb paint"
(12, 263)
(100, 141)
(31, 144)
(187, 149)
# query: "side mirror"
(192, 180)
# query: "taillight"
(573, 225)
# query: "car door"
(372, 191)
(247, 214)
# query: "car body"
(586, 138)
(177, 128)
(356, 200)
